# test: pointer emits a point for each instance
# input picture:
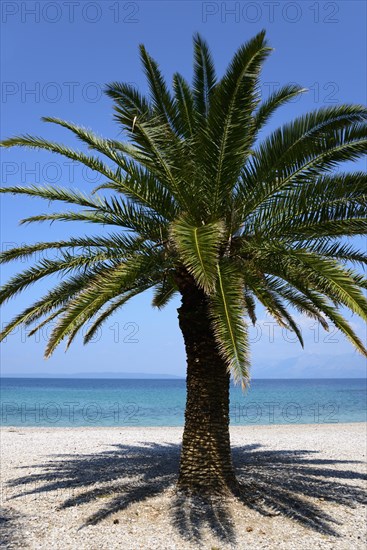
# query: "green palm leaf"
(276, 99)
(227, 310)
(164, 292)
(230, 123)
(186, 117)
(204, 76)
(198, 248)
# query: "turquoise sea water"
(125, 402)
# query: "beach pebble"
(303, 487)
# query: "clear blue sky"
(56, 58)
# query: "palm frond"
(198, 248)
(276, 99)
(204, 76)
(164, 292)
(186, 117)
(109, 310)
(230, 121)
(137, 274)
(54, 299)
(227, 311)
(300, 150)
(89, 138)
(160, 94)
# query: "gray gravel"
(303, 487)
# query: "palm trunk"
(206, 463)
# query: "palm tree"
(203, 208)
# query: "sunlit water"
(98, 402)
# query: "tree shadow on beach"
(11, 535)
(281, 482)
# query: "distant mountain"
(308, 365)
(305, 365)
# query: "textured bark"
(206, 463)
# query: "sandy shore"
(93, 488)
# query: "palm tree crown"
(196, 194)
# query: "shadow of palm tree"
(289, 483)
(11, 535)
(294, 484)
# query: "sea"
(161, 402)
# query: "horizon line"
(169, 377)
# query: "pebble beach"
(302, 487)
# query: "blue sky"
(56, 58)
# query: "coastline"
(109, 487)
(140, 427)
